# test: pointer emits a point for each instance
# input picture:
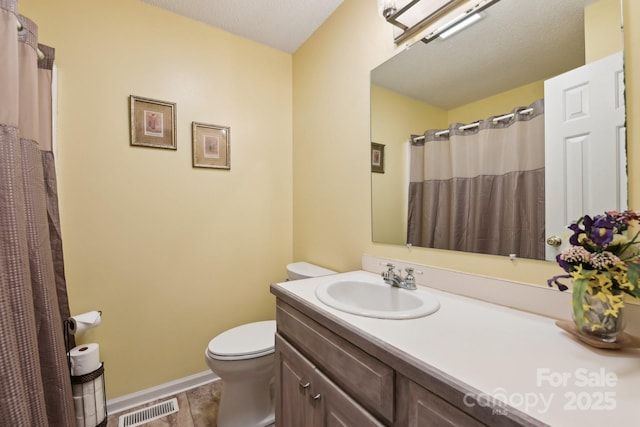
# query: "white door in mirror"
(585, 150)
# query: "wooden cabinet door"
(305, 397)
(293, 375)
(337, 408)
(359, 374)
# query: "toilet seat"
(243, 342)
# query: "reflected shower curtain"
(35, 387)
(480, 189)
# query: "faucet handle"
(410, 277)
(386, 275)
(411, 271)
(410, 280)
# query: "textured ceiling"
(517, 42)
(281, 24)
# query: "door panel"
(585, 147)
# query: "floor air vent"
(150, 413)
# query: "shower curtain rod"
(476, 124)
(39, 52)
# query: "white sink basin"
(379, 300)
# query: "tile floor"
(198, 408)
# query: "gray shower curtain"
(480, 189)
(35, 388)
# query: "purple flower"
(554, 281)
(601, 230)
(562, 263)
(577, 230)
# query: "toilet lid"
(244, 342)
(304, 269)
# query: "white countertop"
(516, 357)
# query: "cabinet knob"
(315, 398)
(304, 387)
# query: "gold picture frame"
(152, 123)
(211, 146)
(377, 157)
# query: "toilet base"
(246, 404)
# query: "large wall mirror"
(552, 67)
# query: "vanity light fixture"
(464, 23)
(386, 8)
(460, 22)
(412, 16)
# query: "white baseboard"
(161, 391)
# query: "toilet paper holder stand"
(95, 400)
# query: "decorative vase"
(598, 320)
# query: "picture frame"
(211, 146)
(377, 157)
(152, 123)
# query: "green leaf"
(579, 288)
(627, 245)
(633, 274)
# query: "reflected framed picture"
(153, 123)
(211, 146)
(377, 157)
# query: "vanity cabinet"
(328, 374)
(308, 398)
(356, 375)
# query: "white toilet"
(243, 357)
(304, 270)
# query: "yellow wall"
(172, 255)
(394, 117)
(601, 20)
(332, 211)
(501, 103)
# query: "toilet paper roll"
(84, 359)
(89, 402)
(83, 322)
(101, 413)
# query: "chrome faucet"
(394, 279)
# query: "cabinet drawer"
(369, 381)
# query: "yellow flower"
(616, 302)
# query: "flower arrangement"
(602, 262)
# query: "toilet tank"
(305, 270)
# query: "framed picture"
(211, 146)
(153, 123)
(377, 158)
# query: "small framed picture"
(153, 123)
(211, 146)
(377, 157)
